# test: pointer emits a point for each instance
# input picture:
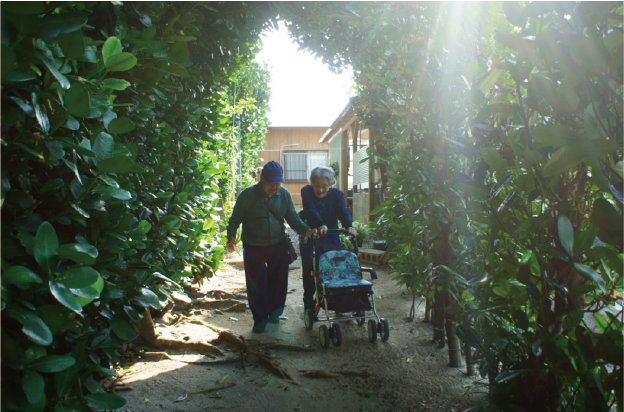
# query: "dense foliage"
(498, 129)
(117, 127)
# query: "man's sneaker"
(258, 329)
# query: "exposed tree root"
(217, 303)
(148, 334)
(270, 345)
(334, 374)
(165, 355)
(220, 294)
(361, 374)
(247, 352)
(160, 355)
(318, 375)
(218, 388)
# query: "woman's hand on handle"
(312, 234)
(322, 230)
(352, 231)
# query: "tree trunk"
(428, 310)
(454, 347)
(146, 328)
(492, 372)
(470, 369)
(438, 319)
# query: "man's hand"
(312, 234)
(352, 231)
(231, 244)
(322, 230)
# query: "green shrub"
(112, 134)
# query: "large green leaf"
(79, 277)
(72, 44)
(121, 125)
(64, 381)
(74, 169)
(111, 46)
(51, 65)
(52, 363)
(20, 274)
(121, 62)
(33, 327)
(178, 71)
(555, 135)
(92, 292)
(104, 146)
(77, 101)
(57, 318)
(117, 164)
(493, 159)
(79, 252)
(46, 248)
(33, 386)
(609, 222)
(113, 192)
(566, 234)
(590, 274)
(41, 114)
(146, 298)
(52, 25)
(115, 84)
(105, 400)
(123, 328)
(8, 61)
(65, 297)
(600, 321)
(179, 52)
(562, 161)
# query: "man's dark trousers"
(266, 274)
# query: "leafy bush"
(498, 129)
(113, 134)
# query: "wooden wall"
(305, 138)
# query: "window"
(299, 164)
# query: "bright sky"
(303, 90)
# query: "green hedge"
(498, 128)
(114, 124)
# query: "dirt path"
(409, 373)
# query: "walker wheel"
(308, 318)
(336, 335)
(384, 330)
(324, 336)
(372, 330)
(360, 322)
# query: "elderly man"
(265, 251)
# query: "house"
(347, 142)
(298, 150)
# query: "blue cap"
(273, 172)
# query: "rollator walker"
(341, 288)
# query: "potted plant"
(364, 233)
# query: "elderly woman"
(323, 207)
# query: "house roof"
(345, 117)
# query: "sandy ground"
(409, 373)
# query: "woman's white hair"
(325, 173)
